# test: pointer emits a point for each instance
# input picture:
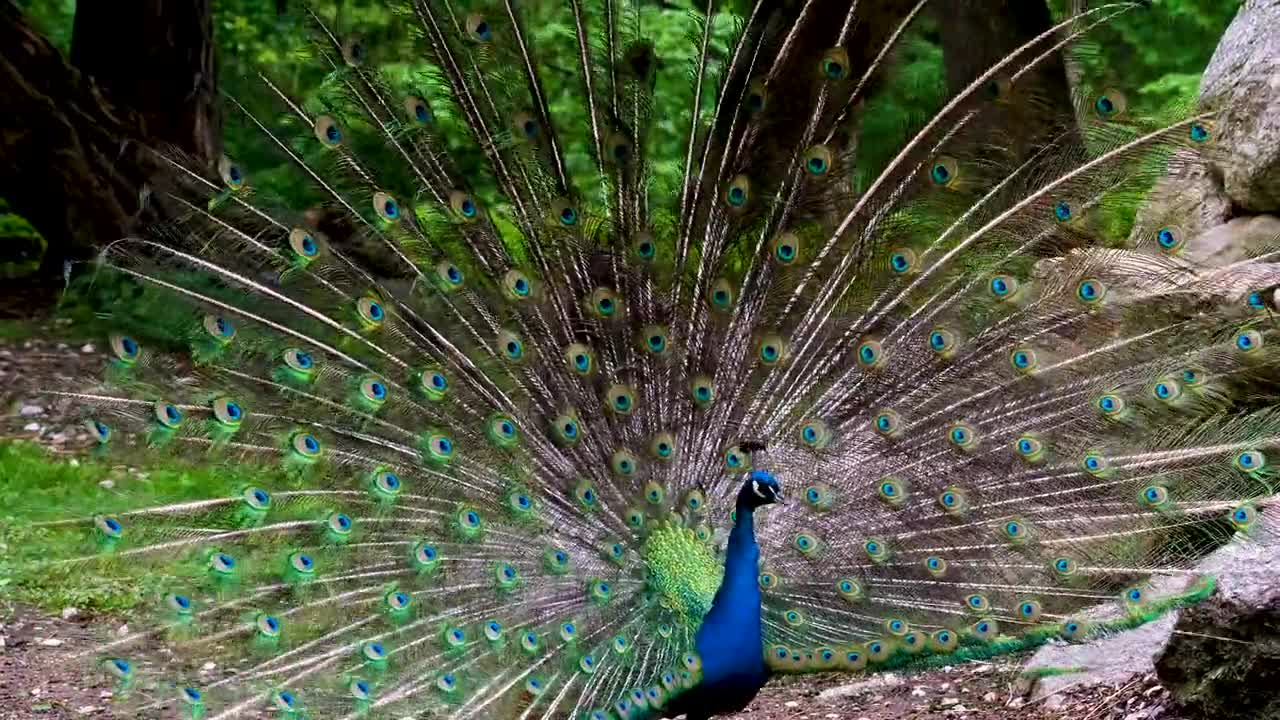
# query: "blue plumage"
(493, 427)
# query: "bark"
(77, 140)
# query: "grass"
(37, 489)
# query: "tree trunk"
(77, 140)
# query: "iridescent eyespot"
(1198, 133)
(370, 312)
(360, 690)
(510, 346)
(566, 429)
(902, 260)
(738, 191)
(944, 171)
(870, 354)
(897, 626)
(984, 629)
(886, 423)
(506, 575)
(431, 383)
(479, 29)
(1015, 531)
(1110, 104)
(386, 206)
(1166, 390)
(101, 433)
(516, 285)
(464, 205)
(953, 501)
(1064, 566)
(768, 581)
(1249, 461)
(663, 446)
(943, 342)
(417, 110)
(805, 542)
(231, 174)
(618, 148)
(1154, 496)
(1170, 239)
(835, 64)
(299, 362)
(963, 436)
(1090, 291)
(721, 295)
(603, 303)
(339, 524)
(1111, 405)
(757, 98)
(219, 328)
(426, 558)
(302, 563)
(654, 339)
(1003, 287)
(397, 600)
(849, 589)
(736, 459)
(624, 463)
(1248, 342)
(327, 131)
(1029, 448)
(1133, 596)
(354, 52)
(283, 700)
(771, 350)
(385, 485)
(977, 602)
(786, 248)
(438, 447)
(620, 399)
(1094, 464)
(702, 390)
(564, 213)
(1062, 211)
(1073, 630)
(306, 446)
(935, 566)
(643, 247)
(876, 549)
(125, 349)
(227, 412)
(1024, 360)
(256, 499)
(586, 495)
(1242, 517)
(1029, 610)
(814, 434)
(526, 125)
(793, 617)
(167, 415)
(892, 492)
(221, 563)
(817, 160)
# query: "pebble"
(789, 703)
(87, 348)
(917, 691)
(989, 697)
(122, 630)
(208, 666)
(31, 427)
(87, 709)
(106, 484)
(69, 612)
(950, 701)
(51, 642)
(31, 411)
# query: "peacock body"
(515, 433)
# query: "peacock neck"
(730, 638)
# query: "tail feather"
(496, 421)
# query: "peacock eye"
(835, 64)
(1062, 211)
(1198, 133)
(417, 110)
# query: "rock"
(918, 692)
(791, 703)
(31, 411)
(69, 612)
(51, 642)
(1243, 82)
(87, 348)
(873, 683)
(950, 701)
(989, 697)
(87, 709)
(207, 667)
(106, 484)
(31, 427)
(1225, 651)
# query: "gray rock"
(1243, 82)
(1224, 660)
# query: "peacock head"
(761, 488)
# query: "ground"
(41, 676)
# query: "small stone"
(105, 694)
(1015, 702)
(208, 666)
(87, 709)
(944, 687)
(958, 709)
(950, 701)
(106, 484)
(87, 348)
(69, 612)
(73, 462)
(791, 703)
(1138, 714)
(832, 716)
(989, 697)
(1053, 702)
(122, 630)
(58, 438)
(918, 691)
(51, 642)
(31, 427)
(948, 668)
(31, 411)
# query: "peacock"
(520, 416)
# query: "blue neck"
(730, 639)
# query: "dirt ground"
(41, 676)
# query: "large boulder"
(1223, 660)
